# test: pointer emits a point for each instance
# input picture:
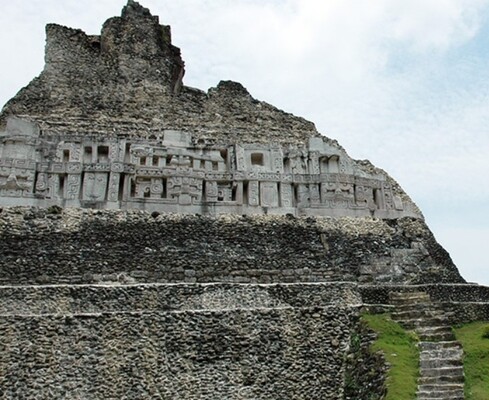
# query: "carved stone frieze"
(183, 172)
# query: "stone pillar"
(253, 193)
(286, 194)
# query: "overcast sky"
(402, 83)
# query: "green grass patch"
(400, 350)
(475, 341)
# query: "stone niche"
(173, 173)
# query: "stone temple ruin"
(159, 241)
(78, 137)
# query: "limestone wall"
(238, 354)
(40, 246)
(115, 298)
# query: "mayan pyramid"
(161, 241)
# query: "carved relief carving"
(211, 191)
(314, 163)
(184, 189)
(314, 194)
(240, 158)
(303, 196)
(73, 186)
(285, 195)
(95, 186)
(269, 194)
(156, 188)
(253, 193)
(277, 161)
(224, 191)
(16, 183)
(113, 193)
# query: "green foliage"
(400, 351)
(355, 342)
(474, 338)
(485, 333)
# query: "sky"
(404, 84)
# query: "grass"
(400, 351)
(475, 341)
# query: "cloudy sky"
(402, 83)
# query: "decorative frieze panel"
(253, 193)
(286, 196)
(95, 186)
(269, 194)
(316, 176)
(185, 190)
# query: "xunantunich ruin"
(109, 124)
(160, 241)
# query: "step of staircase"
(440, 362)
(420, 322)
(408, 297)
(417, 313)
(445, 392)
(435, 333)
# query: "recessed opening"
(87, 154)
(103, 154)
(121, 187)
(377, 198)
(257, 159)
(156, 161)
(142, 160)
(245, 192)
(333, 165)
(95, 44)
(61, 186)
(163, 192)
(127, 154)
(66, 156)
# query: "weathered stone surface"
(128, 81)
(85, 246)
(256, 354)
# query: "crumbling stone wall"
(254, 354)
(128, 81)
(86, 246)
(116, 298)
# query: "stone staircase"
(441, 356)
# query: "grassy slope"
(399, 348)
(476, 361)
